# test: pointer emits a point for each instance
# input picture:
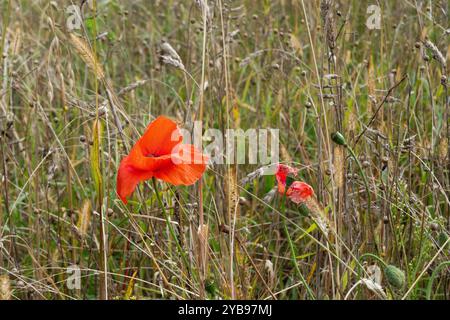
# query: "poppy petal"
(299, 192)
(282, 172)
(128, 177)
(184, 170)
(140, 162)
(160, 138)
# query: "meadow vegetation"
(363, 115)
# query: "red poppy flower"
(298, 191)
(160, 154)
(282, 172)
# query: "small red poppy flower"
(298, 191)
(160, 154)
(282, 172)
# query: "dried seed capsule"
(110, 212)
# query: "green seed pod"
(338, 138)
(395, 276)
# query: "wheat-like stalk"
(329, 24)
(338, 164)
(84, 218)
(171, 57)
(5, 288)
(86, 54)
(318, 214)
(437, 54)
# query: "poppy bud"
(395, 276)
(338, 138)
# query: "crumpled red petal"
(185, 169)
(128, 177)
(160, 138)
